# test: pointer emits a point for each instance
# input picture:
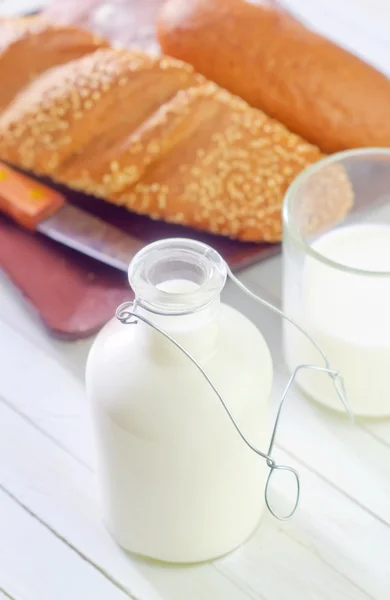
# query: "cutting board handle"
(25, 200)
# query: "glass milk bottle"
(177, 482)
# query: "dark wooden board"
(74, 294)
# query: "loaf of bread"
(151, 134)
(258, 51)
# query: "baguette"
(152, 135)
(260, 52)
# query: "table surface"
(53, 545)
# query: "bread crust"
(262, 53)
(31, 45)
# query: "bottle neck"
(177, 283)
(197, 332)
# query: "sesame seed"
(162, 201)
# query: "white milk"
(348, 315)
(178, 286)
(177, 482)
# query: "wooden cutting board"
(73, 294)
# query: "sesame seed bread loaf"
(257, 50)
(76, 115)
(151, 134)
(29, 46)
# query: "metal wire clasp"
(127, 314)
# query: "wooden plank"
(340, 451)
(36, 565)
(6, 596)
(61, 491)
(299, 574)
(47, 393)
(336, 531)
(17, 312)
(379, 429)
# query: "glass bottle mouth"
(177, 276)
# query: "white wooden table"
(53, 545)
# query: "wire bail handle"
(127, 314)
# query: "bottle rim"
(180, 259)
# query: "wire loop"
(127, 314)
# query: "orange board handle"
(25, 200)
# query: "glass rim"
(292, 191)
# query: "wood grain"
(32, 560)
(66, 497)
(67, 422)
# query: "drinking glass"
(336, 284)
